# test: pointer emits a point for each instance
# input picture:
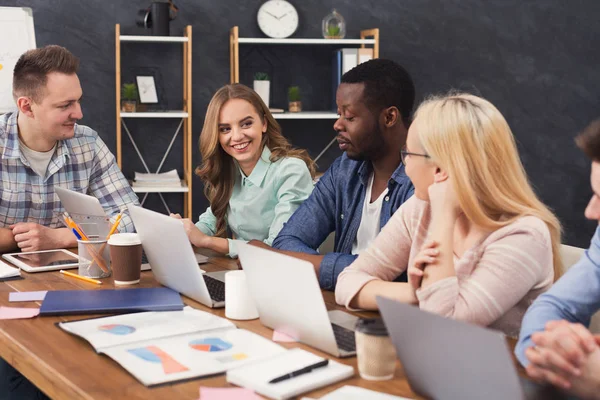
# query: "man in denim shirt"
(361, 190)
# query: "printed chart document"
(159, 347)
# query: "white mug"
(239, 304)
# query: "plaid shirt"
(83, 164)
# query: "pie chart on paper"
(210, 344)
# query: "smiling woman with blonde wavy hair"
(477, 242)
(253, 178)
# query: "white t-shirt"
(38, 160)
(369, 223)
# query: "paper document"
(211, 393)
(349, 392)
(27, 296)
(6, 271)
(159, 347)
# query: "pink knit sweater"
(496, 280)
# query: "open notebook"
(256, 376)
(159, 347)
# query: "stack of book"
(163, 180)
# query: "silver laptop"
(288, 299)
(86, 210)
(173, 260)
(448, 359)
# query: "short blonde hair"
(470, 139)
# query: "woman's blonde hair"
(470, 139)
(217, 169)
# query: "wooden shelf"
(184, 115)
(155, 39)
(306, 41)
(153, 189)
(306, 115)
(155, 114)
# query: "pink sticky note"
(211, 393)
(18, 313)
(282, 337)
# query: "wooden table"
(67, 367)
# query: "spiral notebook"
(256, 376)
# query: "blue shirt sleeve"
(310, 225)
(332, 266)
(575, 297)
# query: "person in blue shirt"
(361, 190)
(555, 344)
(253, 178)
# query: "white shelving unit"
(160, 39)
(307, 41)
(141, 189)
(306, 115)
(185, 117)
(155, 114)
(369, 37)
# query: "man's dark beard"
(373, 146)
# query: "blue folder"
(67, 302)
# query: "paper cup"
(238, 302)
(126, 256)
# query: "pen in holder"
(93, 256)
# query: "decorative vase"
(295, 106)
(128, 105)
(262, 89)
(334, 26)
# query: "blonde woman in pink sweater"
(478, 244)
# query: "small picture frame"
(147, 89)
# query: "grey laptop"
(173, 260)
(288, 299)
(448, 359)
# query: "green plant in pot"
(295, 103)
(129, 96)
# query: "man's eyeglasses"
(404, 153)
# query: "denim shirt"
(575, 297)
(336, 205)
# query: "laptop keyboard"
(216, 288)
(144, 258)
(344, 338)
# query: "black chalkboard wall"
(537, 61)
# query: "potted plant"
(129, 96)
(295, 105)
(262, 86)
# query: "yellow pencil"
(83, 278)
(115, 225)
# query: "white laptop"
(447, 359)
(173, 260)
(288, 299)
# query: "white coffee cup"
(239, 304)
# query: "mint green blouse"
(261, 203)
